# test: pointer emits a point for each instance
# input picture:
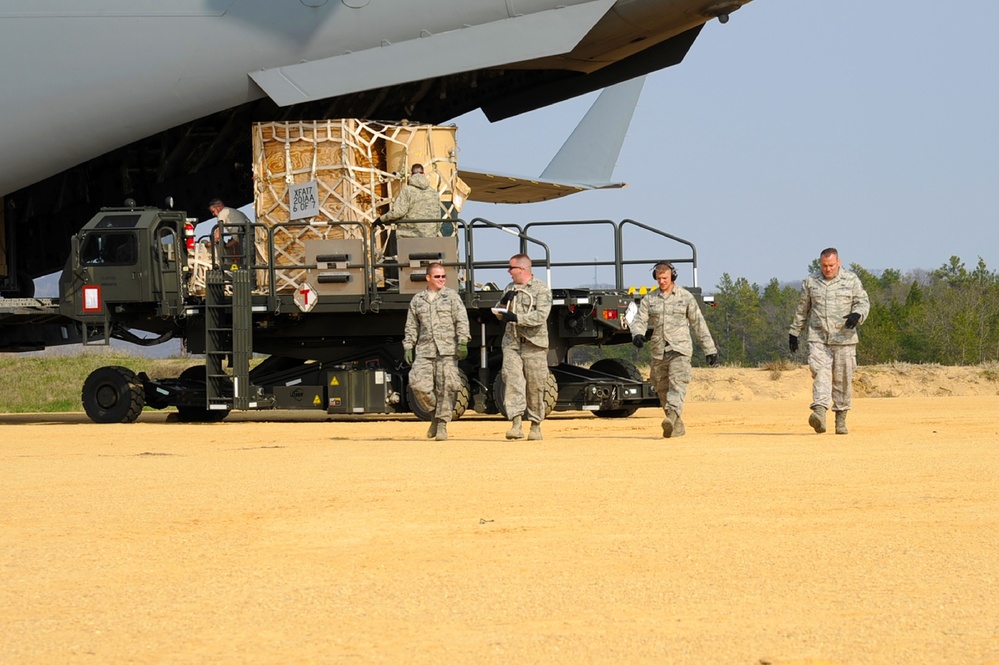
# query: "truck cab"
(133, 260)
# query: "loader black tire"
(113, 394)
(499, 394)
(460, 405)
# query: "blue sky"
(868, 125)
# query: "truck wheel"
(624, 369)
(113, 395)
(499, 394)
(460, 404)
(463, 397)
(198, 414)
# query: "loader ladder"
(228, 338)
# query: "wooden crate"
(358, 167)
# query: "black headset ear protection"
(664, 264)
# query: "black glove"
(852, 319)
(509, 316)
(507, 297)
(792, 343)
(638, 341)
(712, 359)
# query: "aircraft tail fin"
(590, 153)
(585, 161)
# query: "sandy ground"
(291, 538)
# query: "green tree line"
(948, 316)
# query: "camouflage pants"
(435, 383)
(525, 375)
(670, 375)
(832, 374)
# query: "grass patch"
(990, 371)
(777, 366)
(53, 383)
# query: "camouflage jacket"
(435, 326)
(532, 302)
(670, 318)
(417, 200)
(824, 304)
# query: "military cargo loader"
(334, 342)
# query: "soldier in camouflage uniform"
(832, 305)
(417, 200)
(437, 330)
(525, 305)
(668, 314)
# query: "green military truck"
(334, 341)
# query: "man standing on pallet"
(437, 333)
(524, 306)
(418, 200)
(668, 314)
(832, 305)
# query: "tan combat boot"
(817, 419)
(678, 428)
(841, 422)
(441, 434)
(516, 430)
(535, 434)
(432, 432)
(669, 422)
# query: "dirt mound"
(721, 384)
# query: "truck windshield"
(109, 249)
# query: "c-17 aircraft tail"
(585, 161)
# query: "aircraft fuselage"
(116, 98)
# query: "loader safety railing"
(277, 254)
